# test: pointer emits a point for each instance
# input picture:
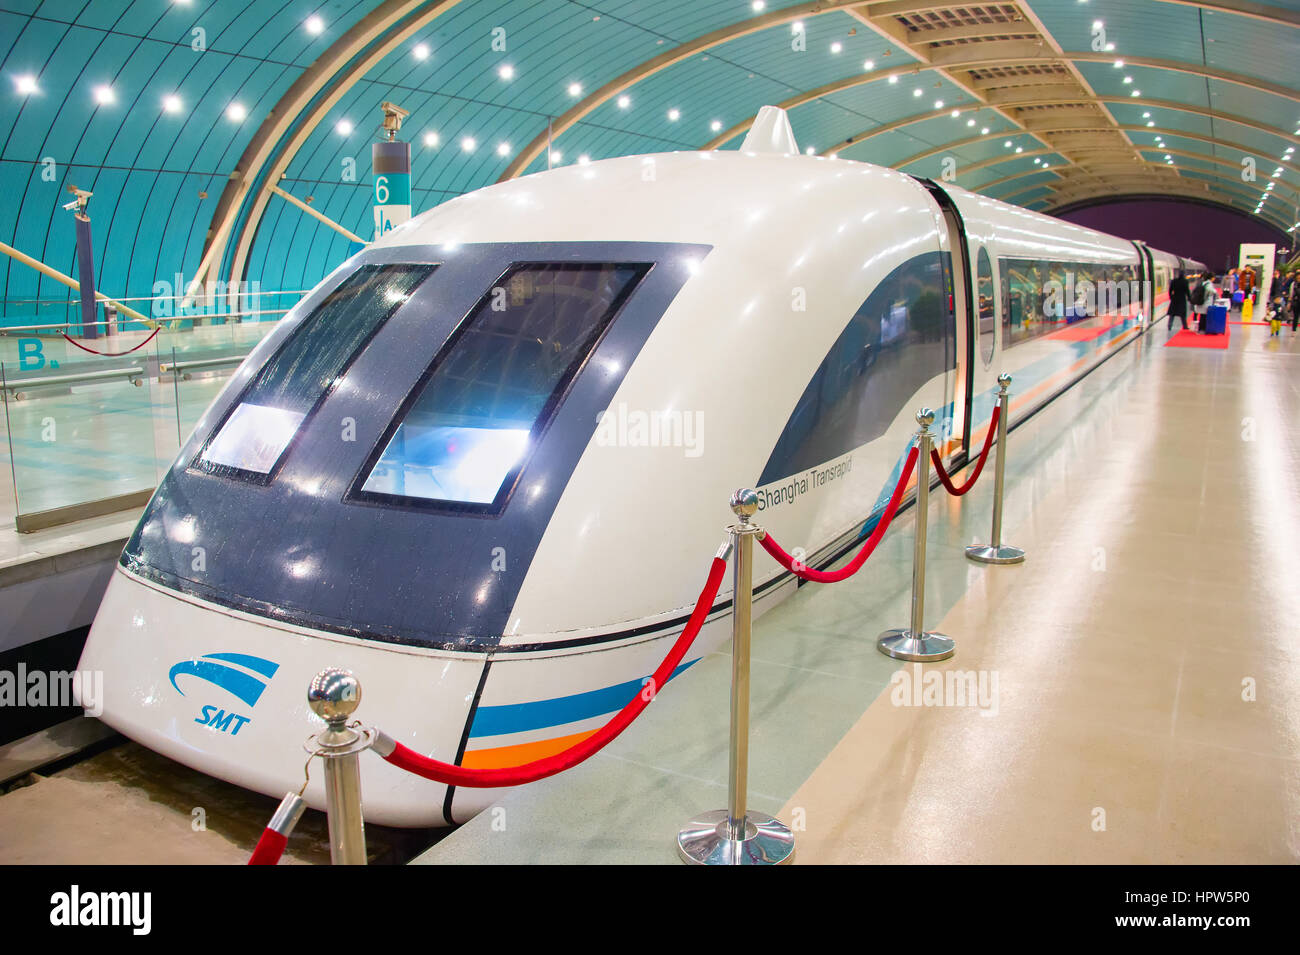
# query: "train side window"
(899, 339)
(463, 434)
(253, 438)
(988, 318)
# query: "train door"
(962, 308)
(1146, 282)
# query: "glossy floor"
(1138, 671)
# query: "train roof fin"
(771, 133)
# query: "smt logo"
(103, 908)
(230, 672)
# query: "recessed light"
(506, 71)
(584, 159)
(1020, 149)
(575, 89)
(916, 92)
(796, 27)
(556, 157)
(1128, 79)
(938, 104)
(26, 84)
(869, 65)
(757, 6)
(503, 149)
(343, 127)
(1136, 93)
(836, 46)
(893, 80)
(624, 102)
(809, 151)
(970, 122)
(431, 138)
(314, 25)
(674, 115)
(172, 103)
(716, 125)
(984, 131)
(1007, 144)
(237, 112)
(420, 51)
(1119, 64)
(468, 143)
(104, 94)
(956, 113)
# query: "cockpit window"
(253, 438)
(466, 429)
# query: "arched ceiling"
(1170, 100)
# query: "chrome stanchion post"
(998, 552)
(914, 643)
(333, 696)
(738, 835)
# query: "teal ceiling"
(158, 173)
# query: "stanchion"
(914, 643)
(998, 552)
(333, 696)
(737, 835)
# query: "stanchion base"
(902, 645)
(705, 840)
(988, 554)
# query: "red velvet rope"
(946, 481)
(269, 848)
(853, 566)
(408, 759)
(112, 354)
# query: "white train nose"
(227, 695)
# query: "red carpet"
(1189, 339)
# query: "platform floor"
(1146, 658)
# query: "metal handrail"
(201, 363)
(13, 386)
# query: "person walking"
(1200, 298)
(1179, 295)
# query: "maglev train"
(485, 463)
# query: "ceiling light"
(315, 25)
(26, 84)
(1020, 149)
(575, 89)
(970, 122)
(836, 47)
(431, 138)
(503, 149)
(556, 157)
(796, 27)
(1097, 24)
(938, 104)
(584, 159)
(1128, 79)
(808, 151)
(870, 65)
(893, 80)
(674, 115)
(624, 102)
(1136, 93)
(104, 94)
(1007, 144)
(916, 92)
(757, 6)
(420, 51)
(1151, 122)
(172, 103)
(716, 125)
(1146, 115)
(343, 127)
(237, 112)
(984, 131)
(506, 71)
(955, 114)
(1119, 64)
(468, 144)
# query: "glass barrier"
(90, 425)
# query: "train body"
(485, 463)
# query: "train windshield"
(464, 433)
(253, 438)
